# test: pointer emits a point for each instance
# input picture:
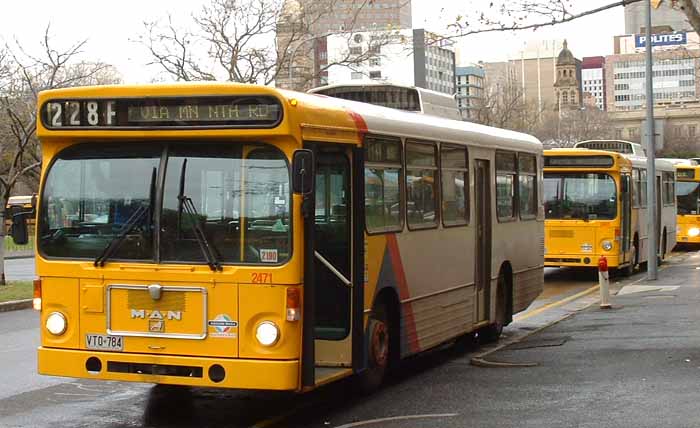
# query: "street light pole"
(652, 232)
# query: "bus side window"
(635, 188)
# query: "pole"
(604, 281)
(652, 233)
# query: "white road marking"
(629, 289)
(397, 418)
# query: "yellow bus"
(239, 236)
(688, 201)
(596, 205)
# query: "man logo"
(156, 315)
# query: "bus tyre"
(492, 332)
(379, 338)
(629, 269)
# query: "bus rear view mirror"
(303, 171)
(19, 230)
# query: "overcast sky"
(111, 27)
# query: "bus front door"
(626, 219)
(482, 253)
(333, 264)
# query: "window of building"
(355, 75)
(527, 189)
(375, 74)
(375, 62)
(565, 98)
(383, 184)
(355, 50)
(505, 185)
(455, 184)
(421, 189)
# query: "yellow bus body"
(438, 298)
(576, 242)
(688, 224)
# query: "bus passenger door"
(626, 217)
(482, 253)
(333, 263)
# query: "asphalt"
(637, 365)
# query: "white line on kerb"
(397, 418)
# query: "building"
(567, 86)
(593, 81)
(660, 41)
(675, 81)
(406, 57)
(662, 16)
(532, 68)
(311, 21)
(470, 90)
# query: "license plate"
(104, 342)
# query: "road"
(19, 269)
(440, 388)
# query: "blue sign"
(668, 39)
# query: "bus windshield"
(585, 196)
(687, 193)
(240, 197)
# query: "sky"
(111, 29)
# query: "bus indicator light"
(293, 304)
(36, 301)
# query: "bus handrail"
(335, 271)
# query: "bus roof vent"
(618, 146)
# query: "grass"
(11, 247)
(16, 290)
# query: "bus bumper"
(580, 260)
(174, 370)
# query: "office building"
(311, 21)
(593, 81)
(470, 90)
(407, 57)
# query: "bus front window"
(687, 194)
(585, 196)
(100, 195)
(91, 192)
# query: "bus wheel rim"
(380, 344)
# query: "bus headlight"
(56, 323)
(267, 333)
(693, 232)
(607, 245)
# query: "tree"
(22, 76)
(246, 41)
(508, 15)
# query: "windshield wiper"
(130, 224)
(211, 254)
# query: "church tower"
(567, 87)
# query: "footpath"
(636, 365)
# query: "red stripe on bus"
(359, 122)
(397, 265)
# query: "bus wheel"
(492, 332)
(379, 331)
(634, 260)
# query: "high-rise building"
(470, 90)
(673, 19)
(406, 57)
(593, 80)
(313, 20)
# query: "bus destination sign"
(579, 161)
(161, 113)
(687, 174)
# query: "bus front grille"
(561, 260)
(154, 369)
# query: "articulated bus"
(239, 236)
(688, 201)
(596, 205)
